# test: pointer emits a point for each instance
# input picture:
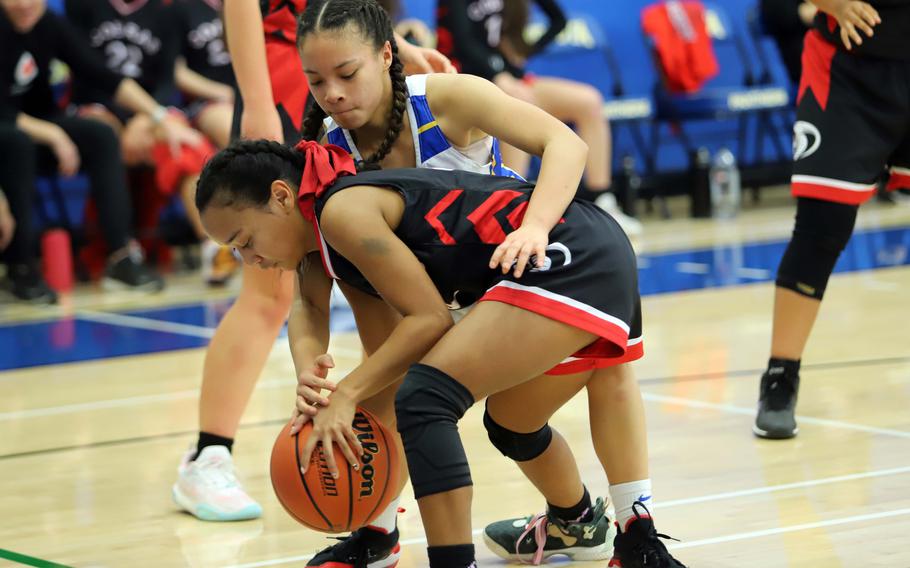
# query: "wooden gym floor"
(91, 435)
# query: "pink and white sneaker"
(208, 488)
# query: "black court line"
(136, 440)
(758, 372)
(651, 381)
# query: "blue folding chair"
(735, 94)
(771, 73)
(583, 52)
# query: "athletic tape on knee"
(515, 445)
(822, 231)
(428, 406)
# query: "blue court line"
(73, 339)
(100, 335)
(732, 265)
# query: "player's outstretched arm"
(464, 102)
(354, 224)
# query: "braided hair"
(376, 27)
(242, 174)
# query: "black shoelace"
(653, 552)
(352, 548)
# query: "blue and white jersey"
(432, 148)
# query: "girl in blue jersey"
(365, 104)
(349, 57)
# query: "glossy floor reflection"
(86, 336)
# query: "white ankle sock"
(387, 520)
(625, 495)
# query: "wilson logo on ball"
(348, 502)
(370, 448)
(329, 487)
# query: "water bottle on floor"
(57, 260)
(724, 183)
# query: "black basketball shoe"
(363, 548)
(639, 545)
(776, 418)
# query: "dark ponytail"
(514, 21)
(375, 26)
(242, 174)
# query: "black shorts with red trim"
(589, 281)
(852, 121)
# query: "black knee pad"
(515, 445)
(428, 406)
(822, 231)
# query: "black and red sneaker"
(639, 545)
(363, 548)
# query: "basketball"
(322, 503)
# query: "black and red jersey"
(891, 39)
(289, 86)
(454, 220)
(469, 33)
(137, 38)
(202, 39)
(444, 208)
(279, 18)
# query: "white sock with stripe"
(388, 519)
(625, 495)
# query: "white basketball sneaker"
(208, 488)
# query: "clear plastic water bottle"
(724, 183)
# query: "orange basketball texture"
(322, 503)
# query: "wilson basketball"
(323, 503)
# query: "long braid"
(399, 106)
(246, 147)
(312, 123)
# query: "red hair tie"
(322, 166)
